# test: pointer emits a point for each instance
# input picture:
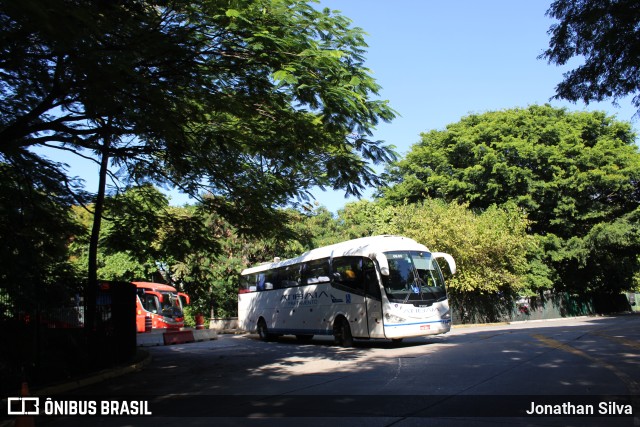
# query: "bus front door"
(373, 299)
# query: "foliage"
(211, 277)
(496, 259)
(34, 230)
(610, 255)
(490, 248)
(254, 101)
(122, 266)
(196, 250)
(311, 228)
(574, 174)
(143, 237)
(605, 34)
(364, 218)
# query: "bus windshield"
(414, 277)
(171, 306)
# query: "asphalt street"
(481, 375)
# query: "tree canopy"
(606, 36)
(35, 229)
(576, 175)
(254, 101)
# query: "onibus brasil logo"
(69, 407)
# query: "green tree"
(210, 275)
(496, 258)
(364, 218)
(198, 251)
(572, 173)
(252, 101)
(605, 35)
(143, 238)
(35, 230)
(256, 101)
(312, 228)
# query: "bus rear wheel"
(342, 333)
(263, 331)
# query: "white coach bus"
(386, 287)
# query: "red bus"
(163, 304)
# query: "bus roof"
(154, 286)
(364, 246)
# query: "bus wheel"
(342, 333)
(263, 331)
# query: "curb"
(204, 335)
(185, 336)
(519, 322)
(474, 325)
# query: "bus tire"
(342, 332)
(263, 331)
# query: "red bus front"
(161, 304)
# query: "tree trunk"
(91, 291)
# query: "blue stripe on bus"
(445, 321)
(301, 331)
(284, 331)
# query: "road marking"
(631, 384)
(620, 340)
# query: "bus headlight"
(447, 315)
(392, 318)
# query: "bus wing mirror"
(382, 262)
(156, 294)
(185, 298)
(448, 258)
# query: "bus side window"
(290, 276)
(317, 271)
(247, 284)
(271, 281)
(371, 285)
(347, 272)
(149, 303)
(261, 279)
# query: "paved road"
(466, 377)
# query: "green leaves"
(570, 172)
(35, 229)
(285, 77)
(605, 36)
(251, 101)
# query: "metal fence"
(549, 305)
(47, 342)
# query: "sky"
(438, 61)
